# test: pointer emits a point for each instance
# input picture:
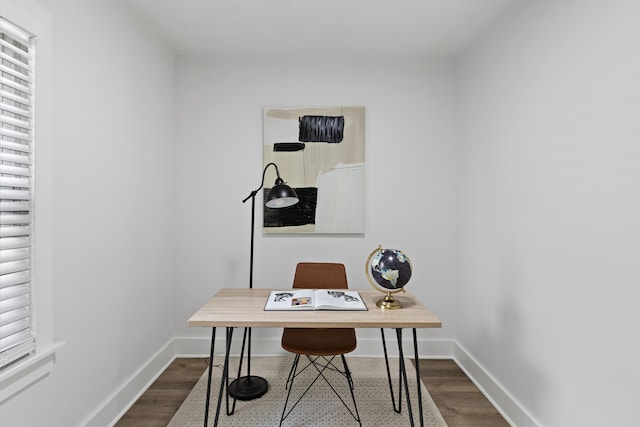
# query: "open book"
(314, 299)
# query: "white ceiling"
(380, 28)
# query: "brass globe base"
(388, 303)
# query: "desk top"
(245, 308)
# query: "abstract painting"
(319, 152)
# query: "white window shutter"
(17, 337)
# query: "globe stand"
(388, 302)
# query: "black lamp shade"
(281, 196)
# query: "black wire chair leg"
(289, 385)
(328, 364)
(350, 382)
(295, 374)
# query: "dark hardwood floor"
(162, 399)
(459, 400)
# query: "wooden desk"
(232, 308)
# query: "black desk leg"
(244, 340)
(402, 376)
(403, 370)
(223, 381)
(206, 403)
(397, 408)
(418, 379)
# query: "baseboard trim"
(116, 405)
(507, 405)
(119, 402)
(367, 347)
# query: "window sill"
(26, 372)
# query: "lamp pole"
(281, 195)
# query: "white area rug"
(320, 407)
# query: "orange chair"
(320, 345)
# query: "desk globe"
(388, 271)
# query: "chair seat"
(319, 341)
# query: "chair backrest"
(320, 275)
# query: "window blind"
(17, 337)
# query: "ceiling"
(365, 28)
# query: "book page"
(336, 299)
(301, 299)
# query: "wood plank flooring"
(457, 398)
(159, 403)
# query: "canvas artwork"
(319, 152)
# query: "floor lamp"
(281, 195)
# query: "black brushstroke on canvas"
(302, 213)
(321, 129)
(288, 146)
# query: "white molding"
(27, 371)
(117, 404)
(507, 405)
(367, 347)
(122, 399)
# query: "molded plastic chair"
(320, 345)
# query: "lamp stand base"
(248, 388)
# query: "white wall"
(410, 176)
(548, 175)
(117, 163)
(549, 207)
(112, 210)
